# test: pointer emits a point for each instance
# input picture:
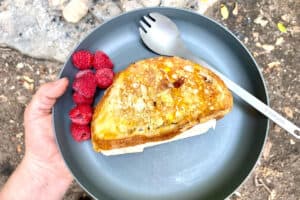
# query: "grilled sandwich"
(158, 100)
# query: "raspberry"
(104, 77)
(82, 73)
(85, 84)
(80, 99)
(101, 60)
(81, 114)
(80, 132)
(82, 59)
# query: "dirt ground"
(277, 175)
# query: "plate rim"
(228, 31)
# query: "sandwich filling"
(194, 131)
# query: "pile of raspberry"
(95, 70)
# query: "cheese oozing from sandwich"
(194, 131)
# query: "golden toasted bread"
(156, 99)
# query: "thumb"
(44, 99)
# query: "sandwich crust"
(156, 99)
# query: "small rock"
(22, 99)
(174, 3)
(239, 19)
(11, 121)
(292, 142)
(203, 5)
(279, 41)
(19, 148)
(106, 10)
(286, 17)
(5, 80)
(57, 4)
(75, 10)
(289, 112)
(258, 44)
(259, 20)
(246, 21)
(151, 3)
(129, 5)
(3, 98)
(268, 47)
(255, 36)
(19, 135)
(20, 66)
(12, 87)
(236, 193)
(277, 128)
(274, 64)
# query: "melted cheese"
(196, 130)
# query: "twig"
(260, 182)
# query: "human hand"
(42, 173)
(40, 146)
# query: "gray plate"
(210, 166)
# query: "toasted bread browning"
(156, 99)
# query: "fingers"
(46, 96)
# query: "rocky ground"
(255, 23)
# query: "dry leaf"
(236, 9)
(28, 79)
(267, 150)
(281, 27)
(224, 12)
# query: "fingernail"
(59, 81)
